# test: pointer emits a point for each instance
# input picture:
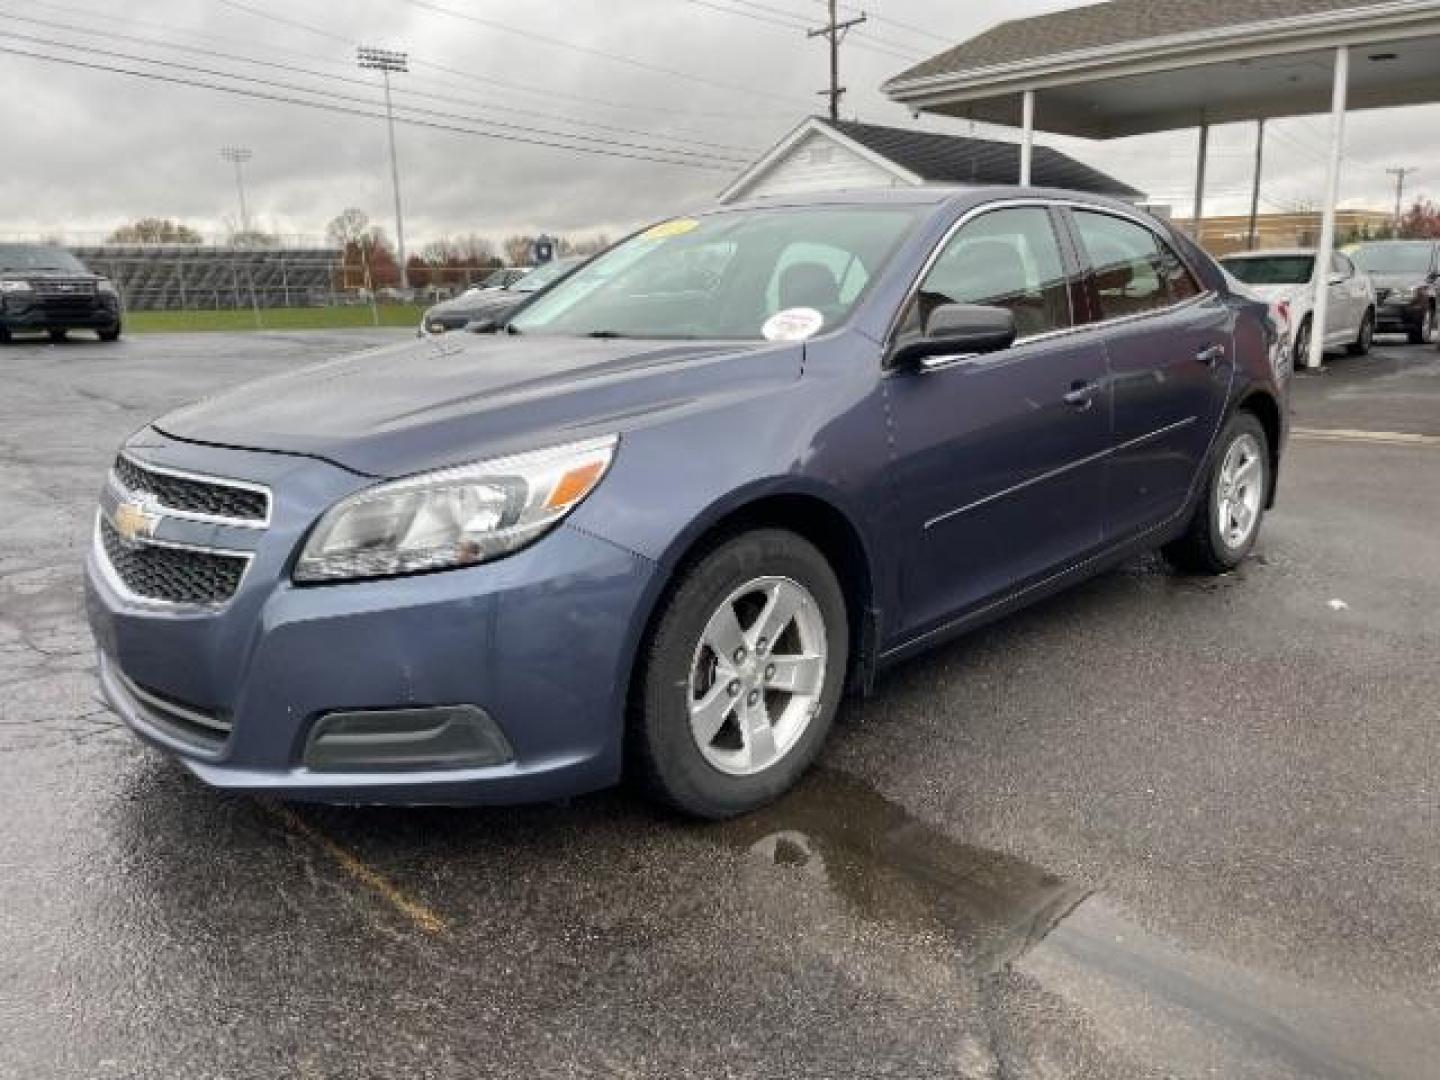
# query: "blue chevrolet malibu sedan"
(686, 500)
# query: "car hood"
(478, 306)
(1397, 281)
(442, 401)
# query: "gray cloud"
(86, 150)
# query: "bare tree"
(348, 226)
(155, 231)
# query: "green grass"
(309, 318)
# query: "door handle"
(1211, 354)
(1081, 395)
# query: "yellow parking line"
(426, 919)
(1378, 438)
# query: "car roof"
(924, 195)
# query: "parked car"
(491, 306)
(723, 472)
(1407, 282)
(1288, 276)
(503, 278)
(45, 289)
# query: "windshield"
(747, 275)
(541, 276)
(1393, 258)
(37, 257)
(1273, 269)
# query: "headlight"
(1402, 296)
(105, 285)
(454, 517)
(15, 286)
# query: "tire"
(1300, 355)
(706, 760)
(58, 335)
(113, 334)
(1210, 545)
(1423, 334)
(4, 335)
(1365, 338)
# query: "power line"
(351, 80)
(468, 76)
(785, 19)
(326, 106)
(617, 58)
(296, 87)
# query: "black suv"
(1406, 274)
(45, 288)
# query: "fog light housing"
(409, 740)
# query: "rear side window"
(1134, 271)
(1005, 258)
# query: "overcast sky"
(87, 149)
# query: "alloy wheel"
(757, 675)
(1240, 491)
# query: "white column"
(1027, 136)
(1327, 215)
(1200, 157)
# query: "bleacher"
(163, 277)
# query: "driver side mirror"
(959, 329)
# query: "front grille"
(60, 289)
(173, 575)
(214, 498)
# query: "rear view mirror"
(958, 329)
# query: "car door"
(1168, 344)
(997, 457)
(1347, 301)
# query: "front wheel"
(1365, 338)
(741, 677)
(113, 334)
(1227, 521)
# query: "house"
(830, 155)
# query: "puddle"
(896, 870)
(1185, 1011)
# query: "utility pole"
(237, 156)
(835, 31)
(1400, 175)
(386, 61)
(1255, 186)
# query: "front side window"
(1135, 271)
(1004, 258)
(747, 275)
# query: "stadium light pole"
(237, 156)
(385, 61)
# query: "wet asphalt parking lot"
(1156, 827)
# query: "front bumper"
(1400, 318)
(97, 313)
(541, 641)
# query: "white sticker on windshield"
(793, 324)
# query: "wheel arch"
(811, 512)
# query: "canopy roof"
(1127, 67)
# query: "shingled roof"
(1115, 23)
(938, 158)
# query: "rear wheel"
(58, 335)
(741, 678)
(1227, 521)
(1365, 338)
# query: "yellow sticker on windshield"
(667, 229)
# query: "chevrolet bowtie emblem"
(134, 521)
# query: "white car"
(1288, 280)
